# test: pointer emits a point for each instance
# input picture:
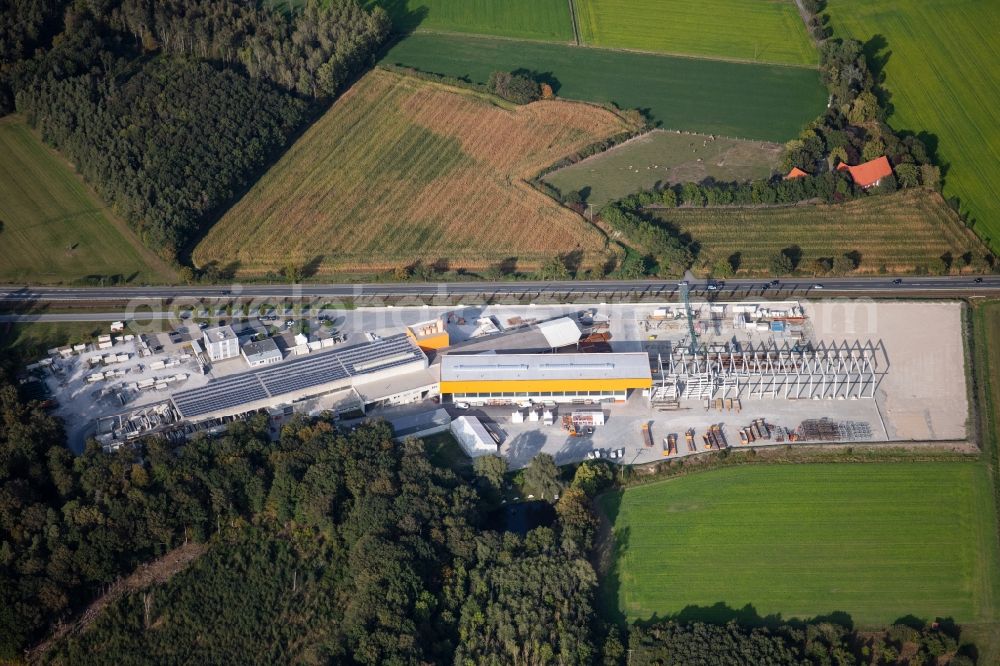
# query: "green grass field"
(943, 71)
(527, 19)
(29, 341)
(666, 157)
(53, 229)
(901, 232)
(754, 30)
(877, 541)
(766, 102)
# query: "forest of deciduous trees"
(170, 109)
(352, 540)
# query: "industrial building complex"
(642, 381)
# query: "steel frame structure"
(770, 371)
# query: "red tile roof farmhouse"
(870, 173)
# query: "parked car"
(461, 405)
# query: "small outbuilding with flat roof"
(261, 352)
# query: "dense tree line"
(514, 87)
(659, 251)
(171, 108)
(822, 643)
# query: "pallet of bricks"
(757, 430)
(714, 438)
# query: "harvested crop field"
(401, 169)
(52, 228)
(942, 68)
(754, 30)
(877, 541)
(661, 157)
(739, 100)
(900, 232)
(526, 19)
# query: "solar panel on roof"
(297, 375)
(218, 395)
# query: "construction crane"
(686, 297)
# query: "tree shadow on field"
(877, 54)
(404, 19)
(311, 267)
(612, 543)
(794, 253)
(747, 616)
(547, 78)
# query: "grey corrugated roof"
(630, 365)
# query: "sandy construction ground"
(924, 394)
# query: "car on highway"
(897, 281)
(978, 280)
(713, 287)
(775, 282)
(817, 286)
